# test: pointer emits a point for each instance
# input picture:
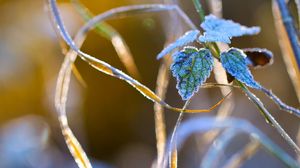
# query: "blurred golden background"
(113, 122)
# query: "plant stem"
(199, 10)
(270, 119)
(173, 153)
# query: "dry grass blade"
(60, 103)
(73, 145)
(203, 124)
(113, 35)
(246, 153)
(173, 153)
(290, 28)
(64, 48)
(287, 51)
(159, 117)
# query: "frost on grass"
(234, 62)
(188, 37)
(220, 30)
(191, 67)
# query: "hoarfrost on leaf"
(220, 30)
(191, 67)
(188, 37)
(234, 62)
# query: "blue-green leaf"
(188, 37)
(220, 30)
(191, 67)
(234, 62)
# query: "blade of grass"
(202, 124)
(290, 29)
(245, 154)
(73, 144)
(159, 117)
(287, 52)
(220, 144)
(113, 35)
(173, 153)
(64, 48)
(210, 159)
(60, 103)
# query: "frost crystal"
(191, 67)
(220, 30)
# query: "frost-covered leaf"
(188, 37)
(258, 57)
(220, 30)
(234, 62)
(191, 67)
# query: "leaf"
(258, 57)
(188, 37)
(191, 68)
(221, 30)
(234, 62)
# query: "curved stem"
(269, 117)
